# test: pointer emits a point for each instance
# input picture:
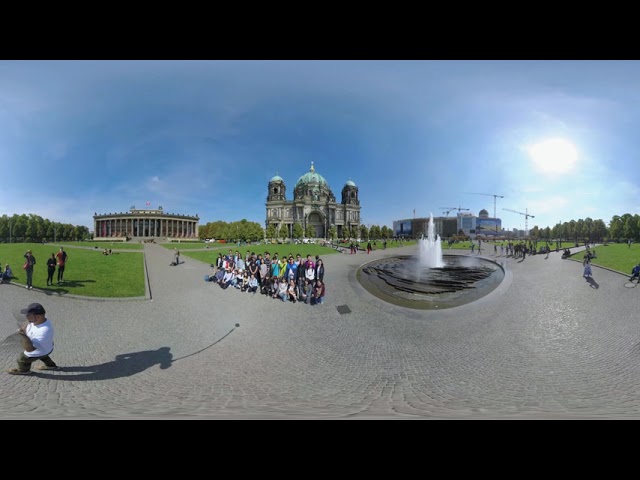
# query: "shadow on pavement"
(124, 365)
(592, 283)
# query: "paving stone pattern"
(545, 344)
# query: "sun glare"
(553, 156)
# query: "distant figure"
(587, 268)
(473, 247)
(61, 256)
(30, 261)
(635, 273)
(368, 248)
(629, 243)
(51, 269)
(176, 255)
(7, 274)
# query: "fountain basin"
(403, 281)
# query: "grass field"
(87, 272)
(616, 256)
(101, 245)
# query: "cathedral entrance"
(317, 222)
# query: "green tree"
(333, 232)
(364, 232)
(385, 232)
(310, 232)
(271, 231)
(297, 231)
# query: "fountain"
(430, 280)
(430, 249)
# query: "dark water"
(399, 280)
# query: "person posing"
(36, 336)
(61, 256)
(30, 261)
(51, 269)
(306, 291)
(253, 284)
(282, 290)
(293, 291)
(320, 269)
(176, 255)
(318, 293)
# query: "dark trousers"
(29, 272)
(60, 272)
(50, 272)
(24, 362)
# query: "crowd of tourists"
(288, 279)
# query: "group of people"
(56, 260)
(287, 278)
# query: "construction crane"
(526, 217)
(489, 195)
(446, 210)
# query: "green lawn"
(209, 256)
(101, 245)
(616, 256)
(87, 272)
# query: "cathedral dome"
(311, 177)
(277, 178)
(483, 213)
(350, 183)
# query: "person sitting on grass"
(635, 273)
(7, 274)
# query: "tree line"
(34, 228)
(621, 228)
(246, 231)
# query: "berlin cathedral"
(313, 204)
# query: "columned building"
(313, 204)
(144, 224)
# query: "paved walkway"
(545, 344)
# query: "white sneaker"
(27, 287)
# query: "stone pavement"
(545, 344)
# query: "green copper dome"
(311, 177)
(350, 183)
(277, 178)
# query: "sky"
(559, 140)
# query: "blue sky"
(558, 138)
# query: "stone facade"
(313, 204)
(144, 224)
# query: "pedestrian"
(587, 268)
(61, 256)
(176, 255)
(495, 249)
(51, 269)
(30, 261)
(473, 246)
(368, 248)
(36, 336)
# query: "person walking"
(51, 269)
(61, 256)
(176, 255)
(587, 268)
(30, 261)
(368, 248)
(36, 336)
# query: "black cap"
(34, 308)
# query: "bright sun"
(553, 156)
